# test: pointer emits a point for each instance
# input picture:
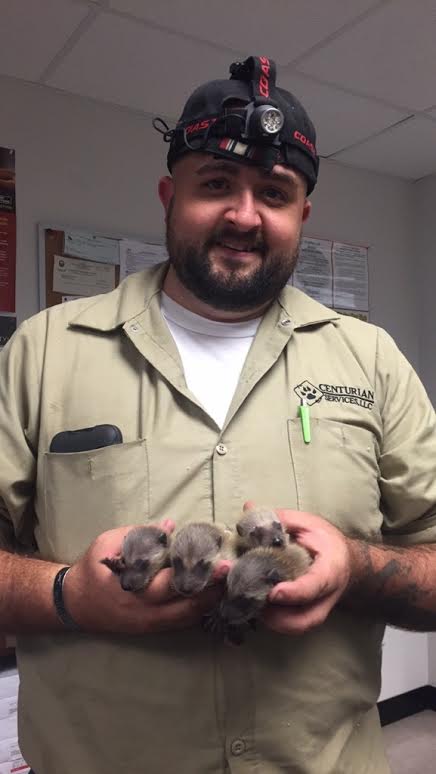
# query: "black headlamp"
(246, 118)
(262, 121)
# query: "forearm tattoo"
(393, 584)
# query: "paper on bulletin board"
(75, 277)
(314, 271)
(350, 267)
(8, 235)
(135, 256)
(81, 244)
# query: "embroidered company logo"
(337, 393)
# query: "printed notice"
(80, 244)
(350, 267)
(135, 256)
(314, 271)
(75, 277)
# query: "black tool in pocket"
(85, 439)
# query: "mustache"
(249, 239)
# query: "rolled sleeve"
(19, 419)
(408, 453)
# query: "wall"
(87, 164)
(78, 162)
(425, 267)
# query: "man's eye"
(216, 184)
(275, 195)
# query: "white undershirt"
(212, 354)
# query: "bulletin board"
(76, 263)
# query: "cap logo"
(264, 78)
(301, 138)
(199, 126)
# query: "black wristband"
(58, 600)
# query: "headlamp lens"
(272, 120)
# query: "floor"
(411, 744)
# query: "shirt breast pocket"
(337, 474)
(89, 492)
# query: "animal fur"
(195, 550)
(260, 527)
(248, 584)
(145, 551)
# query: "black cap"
(247, 118)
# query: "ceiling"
(364, 69)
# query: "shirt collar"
(133, 296)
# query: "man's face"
(233, 230)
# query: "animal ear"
(163, 539)
(273, 577)
(219, 541)
(277, 524)
(240, 530)
(115, 563)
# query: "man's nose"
(243, 211)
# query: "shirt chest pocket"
(337, 474)
(87, 493)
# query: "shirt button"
(286, 321)
(221, 449)
(134, 328)
(237, 747)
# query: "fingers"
(168, 525)
(183, 612)
(160, 588)
(314, 584)
(221, 570)
(294, 620)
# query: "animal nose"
(186, 590)
(126, 585)
(277, 542)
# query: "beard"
(231, 289)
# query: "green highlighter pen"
(305, 419)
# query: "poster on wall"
(8, 324)
(8, 238)
(335, 274)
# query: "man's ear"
(166, 191)
(307, 208)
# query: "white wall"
(405, 662)
(92, 165)
(424, 263)
(425, 267)
(78, 162)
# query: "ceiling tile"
(283, 29)
(32, 33)
(127, 63)
(340, 119)
(405, 150)
(390, 54)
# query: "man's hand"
(95, 600)
(300, 605)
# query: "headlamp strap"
(259, 71)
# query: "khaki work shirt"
(182, 703)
